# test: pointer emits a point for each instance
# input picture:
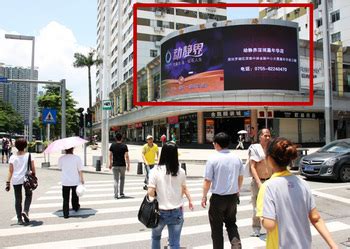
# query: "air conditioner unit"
(158, 29)
(159, 13)
(157, 44)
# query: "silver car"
(332, 161)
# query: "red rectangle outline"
(189, 103)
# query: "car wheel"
(344, 174)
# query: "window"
(318, 22)
(316, 3)
(336, 37)
(335, 16)
(153, 53)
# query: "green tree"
(52, 99)
(87, 61)
(10, 120)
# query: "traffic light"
(81, 117)
(88, 119)
(81, 120)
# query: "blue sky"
(29, 16)
(61, 28)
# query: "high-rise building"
(339, 13)
(153, 25)
(17, 94)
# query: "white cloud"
(55, 46)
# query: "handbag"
(30, 180)
(149, 212)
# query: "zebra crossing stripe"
(331, 197)
(255, 242)
(126, 200)
(134, 180)
(100, 223)
(108, 193)
(138, 183)
(89, 212)
(142, 236)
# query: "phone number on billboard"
(271, 69)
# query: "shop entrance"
(230, 126)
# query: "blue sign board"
(49, 116)
(3, 79)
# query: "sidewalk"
(195, 159)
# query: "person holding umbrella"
(71, 167)
(72, 174)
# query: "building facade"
(18, 94)
(153, 25)
(197, 125)
(339, 12)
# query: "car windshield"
(336, 147)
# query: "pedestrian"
(240, 142)
(285, 203)
(5, 150)
(149, 155)
(71, 175)
(168, 182)
(260, 172)
(119, 161)
(17, 170)
(252, 134)
(173, 137)
(224, 176)
(163, 139)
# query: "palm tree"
(87, 61)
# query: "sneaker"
(256, 233)
(122, 196)
(20, 222)
(25, 217)
(77, 208)
(145, 187)
(236, 243)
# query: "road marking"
(99, 223)
(141, 236)
(108, 193)
(118, 239)
(334, 187)
(126, 200)
(133, 180)
(255, 242)
(89, 212)
(331, 197)
(140, 184)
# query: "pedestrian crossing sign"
(49, 116)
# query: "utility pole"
(106, 86)
(328, 94)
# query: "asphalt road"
(104, 222)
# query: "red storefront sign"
(173, 120)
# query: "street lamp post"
(327, 74)
(31, 107)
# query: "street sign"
(49, 116)
(107, 105)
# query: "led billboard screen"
(237, 57)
